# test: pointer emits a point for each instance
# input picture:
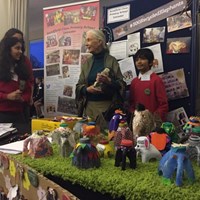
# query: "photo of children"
(67, 105)
(71, 57)
(51, 109)
(65, 71)
(68, 90)
(54, 18)
(53, 57)
(51, 40)
(52, 70)
(71, 17)
(88, 12)
(179, 21)
(153, 35)
(178, 45)
(65, 40)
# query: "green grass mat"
(143, 183)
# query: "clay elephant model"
(125, 150)
(176, 160)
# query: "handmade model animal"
(123, 132)
(146, 149)
(114, 122)
(143, 121)
(66, 139)
(39, 145)
(169, 128)
(176, 160)
(125, 149)
(160, 140)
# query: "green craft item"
(196, 129)
(33, 178)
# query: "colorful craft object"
(176, 160)
(193, 149)
(143, 121)
(146, 149)
(160, 140)
(192, 123)
(169, 128)
(39, 145)
(65, 138)
(114, 122)
(85, 155)
(125, 149)
(105, 149)
(123, 132)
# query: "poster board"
(64, 51)
(146, 18)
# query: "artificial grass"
(143, 183)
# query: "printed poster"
(64, 48)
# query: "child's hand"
(16, 95)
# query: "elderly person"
(97, 101)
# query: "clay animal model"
(66, 139)
(98, 85)
(123, 132)
(39, 145)
(114, 122)
(125, 149)
(146, 149)
(160, 140)
(143, 121)
(176, 160)
(169, 128)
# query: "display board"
(169, 29)
(65, 28)
(18, 181)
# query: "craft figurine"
(125, 149)
(143, 121)
(193, 149)
(123, 132)
(105, 149)
(92, 131)
(176, 160)
(98, 85)
(85, 155)
(65, 138)
(160, 140)
(194, 121)
(147, 150)
(114, 123)
(39, 145)
(169, 128)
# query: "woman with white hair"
(96, 101)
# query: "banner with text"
(64, 50)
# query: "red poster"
(64, 47)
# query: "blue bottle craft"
(176, 161)
(85, 155)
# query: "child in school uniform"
(148, 88)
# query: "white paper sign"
(118, 14)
